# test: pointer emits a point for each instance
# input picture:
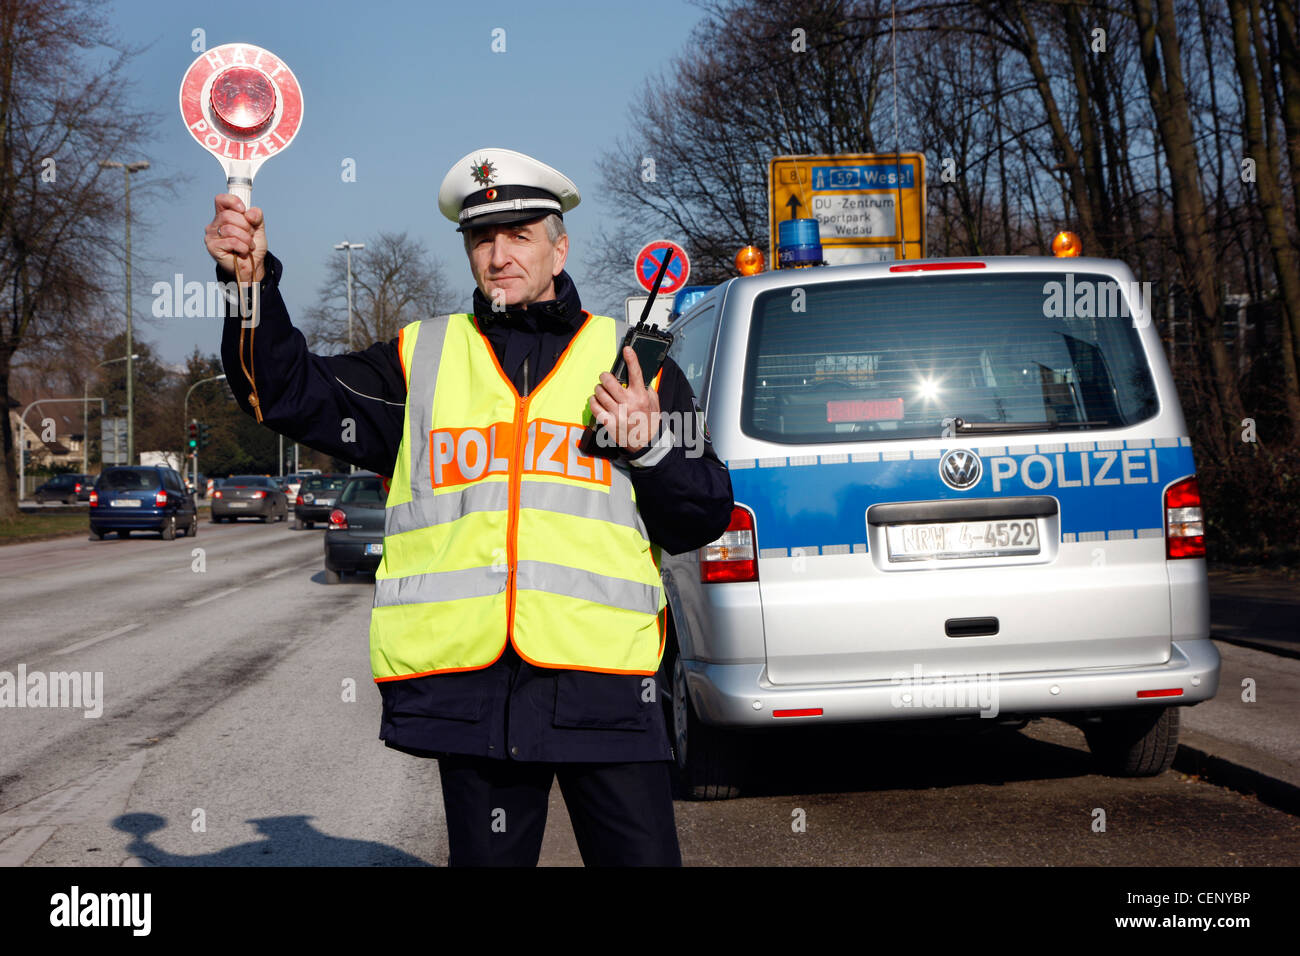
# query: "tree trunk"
(1288, 61)
(1069, 158)
(9, 456)
(1191, 236)
(1259, 117)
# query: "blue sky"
(403, 88)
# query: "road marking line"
(297, 567)
(212, 597)
(95, 640)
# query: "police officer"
(519, 618)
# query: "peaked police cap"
(493, 186)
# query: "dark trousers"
(622, 813)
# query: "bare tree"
(59, 116)
(394, 281)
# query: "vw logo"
(960, 469)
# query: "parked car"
(67, 488)
(316, 498)
(957, 495)
(249, 496)
(142, 498)
(354, 540)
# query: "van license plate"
(125, 503)
(375, 548)
(962, 539)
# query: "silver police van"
(963, 489)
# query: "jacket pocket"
(444, 696)
(601, 701)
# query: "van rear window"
(888, 359)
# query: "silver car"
(963, 489)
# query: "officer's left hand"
(630, 415)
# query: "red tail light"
(160, 499)
(734, 556)
(94, 499)
(259, 494)
(78, 488)
(338, 520)
(1184, 520)
(298, 500)
(216, 494)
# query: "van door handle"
(970, 626)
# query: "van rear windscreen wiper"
(962, 427)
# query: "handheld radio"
(651, 348)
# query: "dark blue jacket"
(511, 708)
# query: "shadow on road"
(287, 841)
(905, 757)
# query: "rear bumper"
(131, 519)
(319, 513)
(739, 695)
(222, 509)
(347, 553)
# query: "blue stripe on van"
(814, 503)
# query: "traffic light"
(205, 436)
(194, 435)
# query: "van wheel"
(1134, 743)
(331, 577)
(96, 534)
(169, 529)
(707, 758)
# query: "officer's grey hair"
(554, 229)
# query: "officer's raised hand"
(236, 231)
(630, 415)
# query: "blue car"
(144, 498)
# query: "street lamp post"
(127, 170)
(85, 415)
(349, 246)
(186, 415)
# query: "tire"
(124, 534)
(169, 529)
(297, 524)
(193, 530)
(265, 519)
(332, 577)
(216, 520)
(310, 524)
(1140, 742)
(96, 534)
(707, 758)
(284, 515)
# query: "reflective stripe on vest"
(497, 528)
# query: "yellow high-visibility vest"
(498, 529)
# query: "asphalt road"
(239, 728)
